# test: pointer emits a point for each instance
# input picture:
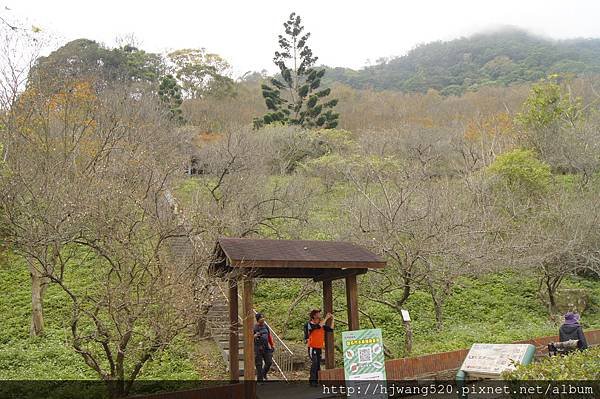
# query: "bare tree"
(431, 229)
(19, 48)
(557, 239)
(239, 197)
(87, 184)
(44, 134)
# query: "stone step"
(225, 337)
(240, 365)
(218, 322)
(219, 309)
(240, 353)
(224, 345)
(218, 316)
(225, 340)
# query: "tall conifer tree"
(296, 97)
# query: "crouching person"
(263, 348)
(571, 330)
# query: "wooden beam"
(234, 365)
(328, 308)
(308, 264)
(280, 272)
(339, 273)
(249, 372)
(352, 302)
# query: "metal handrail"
(285, 357)
(287, 354)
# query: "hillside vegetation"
(492, 309)
(484, 203)
(497, 308)
(504, 57)
(577, 366)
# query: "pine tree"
(296, 98)
(169, 93)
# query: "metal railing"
(283, 357)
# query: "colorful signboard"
(363, 357)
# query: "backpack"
(260, 340)
(306, 332)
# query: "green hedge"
(580, 365)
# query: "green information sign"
(363, 358)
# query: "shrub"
(521, 171)
(581, 365)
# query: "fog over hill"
(500, 57)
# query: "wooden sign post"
(408, 339)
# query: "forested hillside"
(499, 58)
(483, 203)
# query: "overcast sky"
(344, 32)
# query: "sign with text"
(405, 315)
(363, 358)
(493, 359)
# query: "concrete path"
(290, 390)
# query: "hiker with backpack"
(263, 348)
(314, 336)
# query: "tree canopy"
(499, 58)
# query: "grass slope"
(51, 357)
(498, 308)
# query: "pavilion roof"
(283, 258)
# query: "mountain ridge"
(499, 57)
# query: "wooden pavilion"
(239, 260)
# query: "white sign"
(493, 359)
(405, 315)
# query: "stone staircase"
(217, 321)
(217, 317)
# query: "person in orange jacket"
(314, 334)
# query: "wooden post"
(352, 302)
(329, 338)
(249, 372)
(408, 339)
(234, 365)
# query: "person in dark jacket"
(571, 329)
(263, 348)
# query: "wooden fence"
(396, 369)
(413, 367)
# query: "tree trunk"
(551, 298)
(38, 289)
(408, 338)
(405, 292)
(439, 322)
(201, 322)
(438, 298)
(115, 388)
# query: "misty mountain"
(497, 58)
